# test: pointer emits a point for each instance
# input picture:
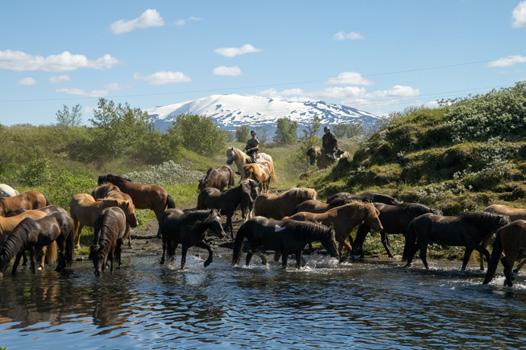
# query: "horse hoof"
(40, 268)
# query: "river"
(364, 305)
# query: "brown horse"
(510, 239)
(344, 219)
(513, 213)
(227, 202)
(109, 231)
(189, 228)
(314, 206)
(85, 210)
(468, 230)
(284, 237)
(104, 190)
(341, 198)
(27, 200)
(145, 196)
(262, 172)
(220, 178)
(284, 204)
(33, 234)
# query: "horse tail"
(238, 243)
(231, 180)
(494, 259)
(51, 253)
(170, 202)
(410, 240)
(70, 246)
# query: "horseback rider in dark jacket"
(252, 146)
(329, 143)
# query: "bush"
(198, 133)
(286, 131)
(242, 133)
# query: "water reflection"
(363, 305)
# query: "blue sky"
(379, 56)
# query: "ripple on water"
(324, 304)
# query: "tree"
(198, 134)
(286, 131)
(69, 117)
(242, 133)
(310, 132)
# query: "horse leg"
(17, 261)
(33, 257)
(248, 258)
(423, 254)
(112, 256)
(284, 259)
(385, 242)
(184, 250)
(467, 254)
(519, 266)
(508, 265)
(263, 258)
(483, 252)
(203, 245)
(299, 258)
(78, 230)
(229, 225)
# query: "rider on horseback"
(329, 144)
(252, 146)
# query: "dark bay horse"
(227, 202)
(468, 230)
(510, 239)
(26, 201)
(341, 198)
(145, 196)
(285, 237)
(220, 178)
(33, 234)
(394, 219)
(109, 231)
(188, 228)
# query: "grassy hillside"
(462, 156)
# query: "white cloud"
(149, 18)
(183, 21)
(340, 36)
(519, 15)
(237, 51)
(91, 93)
(163, 77)
(59, 78)
(28, 81)
(65, 61)
(507, 61)
(398, 91)
(348, 78)
(225, 71)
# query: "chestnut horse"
(220, 178)
(145, 196)
(109, 231)
(344, 219)
(314, 206)
(85, 210)
(33, 234)
(510, 239)
(513, 213)
(278, 206)
(262, 172)
(27, 200)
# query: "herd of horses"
(284, 222)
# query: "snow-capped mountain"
(260, 113)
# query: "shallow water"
(371, 305)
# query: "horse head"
(129, 210)
(372, 217)
(214, 222)
(97, 257)
(230, 155)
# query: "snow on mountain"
(258, 112)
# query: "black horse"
(227, 202)
(394, 219)
(468, 230)
(188, 228)
(285, 237)
(342, 198)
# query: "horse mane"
(310, 229)
(301, 193)
(418, 206)
(197, 214)
(484, 218)
(15, 241)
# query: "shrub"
(198, 133)
(242, 133)
(286, 131)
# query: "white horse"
(7, 191)
(235, 155)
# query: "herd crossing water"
(376, 304)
